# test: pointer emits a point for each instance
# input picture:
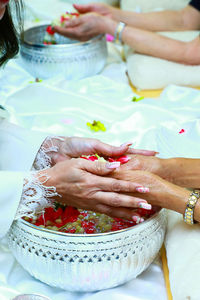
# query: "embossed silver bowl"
(30, 297)
(73, 59)
(78, 262)
(110, 2)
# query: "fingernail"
(141, 220)
(137, 219)
(127, 144)
(113, 165)
(145, 205)
(142, 189)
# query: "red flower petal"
(50, 30)
(181, 131)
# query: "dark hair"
(9, 31)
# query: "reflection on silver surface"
(30, 297)
(87, 262)
(110, 2)
(73, 59)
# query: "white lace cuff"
(35, 196)
(43, 159)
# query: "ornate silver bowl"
(110, 2)
(78, 262)
(73, 59)
(30, 297)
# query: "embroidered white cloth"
(17, 151)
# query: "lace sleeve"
(49, 147)
(35, 196)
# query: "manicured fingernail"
(113, 165)
(127, 144)
(136, 219)
(145, 205)
(142, 189)
(141, 220)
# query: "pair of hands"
(95, 19)
(85, 184)
(165, 179)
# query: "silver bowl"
(73, 59)
(110, 2)
(30, 297)
(78, 262)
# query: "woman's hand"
(99, 8)
(86, 27)
(184, 172)
(151, 164)
(74, 147)
(81, 184)
(161, 192)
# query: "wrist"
(168, 169)
(45, 177)
(108, 26)
(184, 172)
(115, 13)
(177, 198)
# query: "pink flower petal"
(109, 38)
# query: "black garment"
(195, 4)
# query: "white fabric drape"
(18, 148)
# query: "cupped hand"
(100, 8)
(84, 27)
(83, 184)
(74, 147)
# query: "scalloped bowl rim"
(78, 235)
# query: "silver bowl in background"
(30, 297)
(78, 262)
(109, 2)
(73, 59)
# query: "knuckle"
(130, 187)
(116, 200)
(116, 186)
(107, 210)
(98, 166)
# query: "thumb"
(98, 167)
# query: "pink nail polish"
(145, 205)
(142, 189)
(113, 165)
(141, 220)
(127, 144)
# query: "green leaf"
(136, 99)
